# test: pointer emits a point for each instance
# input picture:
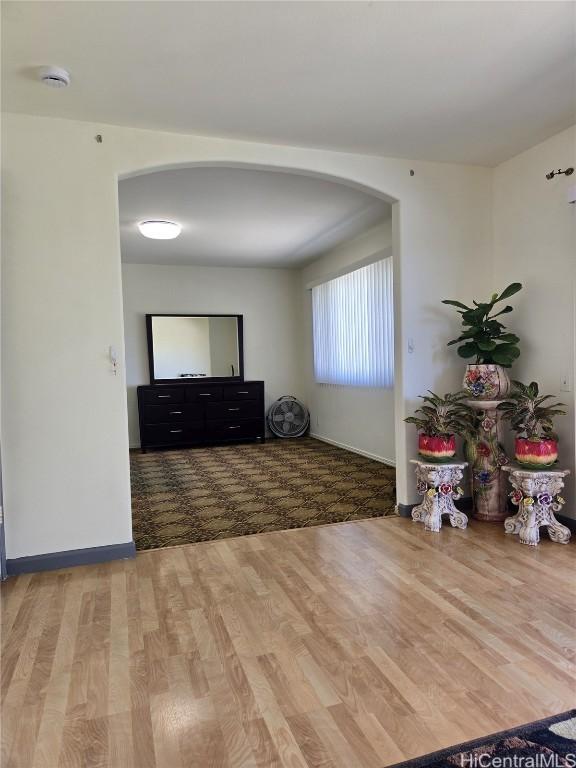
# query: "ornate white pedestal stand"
(439, 484)
(536, 492)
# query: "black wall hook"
(567, 172)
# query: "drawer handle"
(238, 427)
(175, 431)
(233, 409)
(175, 413)
(243, 392)
(204, 394)
(161, 396)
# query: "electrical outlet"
(565, 383)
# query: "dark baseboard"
(569, 522)
(405, 510)
(54, 560)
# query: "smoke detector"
(55, 77)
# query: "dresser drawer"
(234, 409)
(165, 434)
(154, 414)
(242, 391)
(163, 395)
(229, 429)
(203, 394)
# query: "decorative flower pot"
(536, 453)
(486, 381)
(436, 447)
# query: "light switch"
(565, 383)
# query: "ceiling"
(473, 82)
(238, 217)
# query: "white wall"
(64, 423)
(535, 244)
(266, 297)
(361, 418)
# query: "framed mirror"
(188, 348)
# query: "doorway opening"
(256, 245)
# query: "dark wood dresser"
(199, 414)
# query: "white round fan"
(288, 417)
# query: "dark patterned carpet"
(200, 494)
(549, 743)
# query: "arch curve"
(248, 166)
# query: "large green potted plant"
(531, 416)
(486, 340)
(438, 421)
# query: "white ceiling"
(236, 217)
(472, 82)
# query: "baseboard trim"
(405, 510)
(52, 561)
(464, 504)
(367, 454)
(569, 522)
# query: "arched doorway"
(131, 209)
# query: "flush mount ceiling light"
(55, 77)
(160, 230)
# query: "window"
(353, 327)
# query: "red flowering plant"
(531, 416)
(438, 420)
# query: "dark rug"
(549, 743)
(201, 494)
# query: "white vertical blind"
(353, 327)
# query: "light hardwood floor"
(352, 645)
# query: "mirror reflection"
(194, 347)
